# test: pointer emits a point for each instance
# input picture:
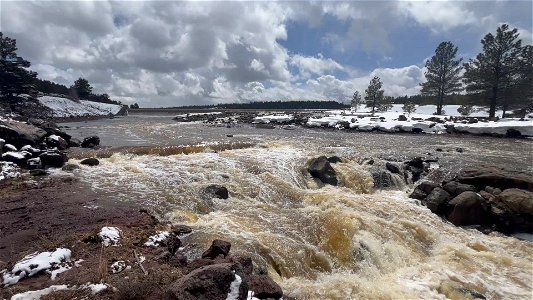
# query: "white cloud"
(309, 65)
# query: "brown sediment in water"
(157, 150)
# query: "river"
(345, 242)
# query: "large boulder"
(19, 158)
(217, 248)
(55, 141)
(423, 189)
(385, 180)
(455, 188)
(497, 178)
(513, 210)
(213, 282)
(393, 167)
(20, 134)
(321, 169)
(263, 287)
(469, 208)
(54, 159)
(437, 200)
(90, 142)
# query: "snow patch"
(118, 266)
(157, 239)
(110, 236)
(8, 170)
(36, 295)
(66, 108)
(234, 288)
(35, 263)
(273, 118)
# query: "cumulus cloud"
(170, 53)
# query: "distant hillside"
(272, 105)
(66, 108)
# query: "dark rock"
(493, 177)
(178, 260)
(90, 142)
(210, 282)
(416, 162)
(245, 262)
(334, 159)
(181, 229)
(38, 172)
(416, 172)
(427, 186)
(54, 159)
(402, 118)
(385, 179)
(469, 208)
(34, 151)
(263, 287)
(216, 191)
(486, 195)
(393, 168)
(51, 129)
(513, 210)
(471, 294)
(436, 200)
(455, 188)
(321, 168)
(74, 143)
(218, 247)
(20, 134)
(418, 194)
(55, 141)
(90, 162)
(513, 133)
(264, 126)
(173, 243)
(494, 191)
(19, 158)
(438, 149)
(70, 167)
(34, 163)
(460, 150)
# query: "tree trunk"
(493, 102)
(440, 103)
(373, 106)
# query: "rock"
(513, 133)
(19, 158)
(55, 141)
(321, 168)
(418, 194)
(436, 200)
(180, 229)
(455, 188)
(53, 159)
(173, 243)
(493, 177)
(70, 167)
(402, 118)
(422, 190)
(460, 150)
(90, 162)
(38, 172)
(334, 159)
(51, 129)
(438, 149)
(416, 162)
(74, 143)
(90, 142)
(384, 179)
(494, 191)
(34, 151)
(263, 287)
(34, 163)
(469, 208)
(178, 260)
(216, 191)
(486, 195)
(392, 167)
(2, 144)
(513, 210)
(210, 282)
(20, 134)
(245, 262)
(218, 247)
(9, 148)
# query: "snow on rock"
(51, 262)
(110, 236)
(66, 108)
(273, 119)
(233, 293)
(8, 170)
(36, 295)
(118, 266)
(95, 287)
(10, 147)
(157, 239)
(499, 127)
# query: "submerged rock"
(54, 159)
(216, 191)
(90, 162)
(392, 167)
(90, 142)
(321, 169)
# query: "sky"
(172, 53)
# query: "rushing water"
(318, 242)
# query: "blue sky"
(169, 53)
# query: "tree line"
(17, 79)
(500, 77)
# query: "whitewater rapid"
(318, 242)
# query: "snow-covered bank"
(66, 108)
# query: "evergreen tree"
(15, 78)
(409, 107)
(495, 70)
(374, 95)
(443, 74)
(356, 100)
(82, 88)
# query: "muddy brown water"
(346, 242)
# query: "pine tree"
(15, 78)
(356, 100)
(374, 95)
(443, 74)
(496, 69)
(409, 107)
(82, 88)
